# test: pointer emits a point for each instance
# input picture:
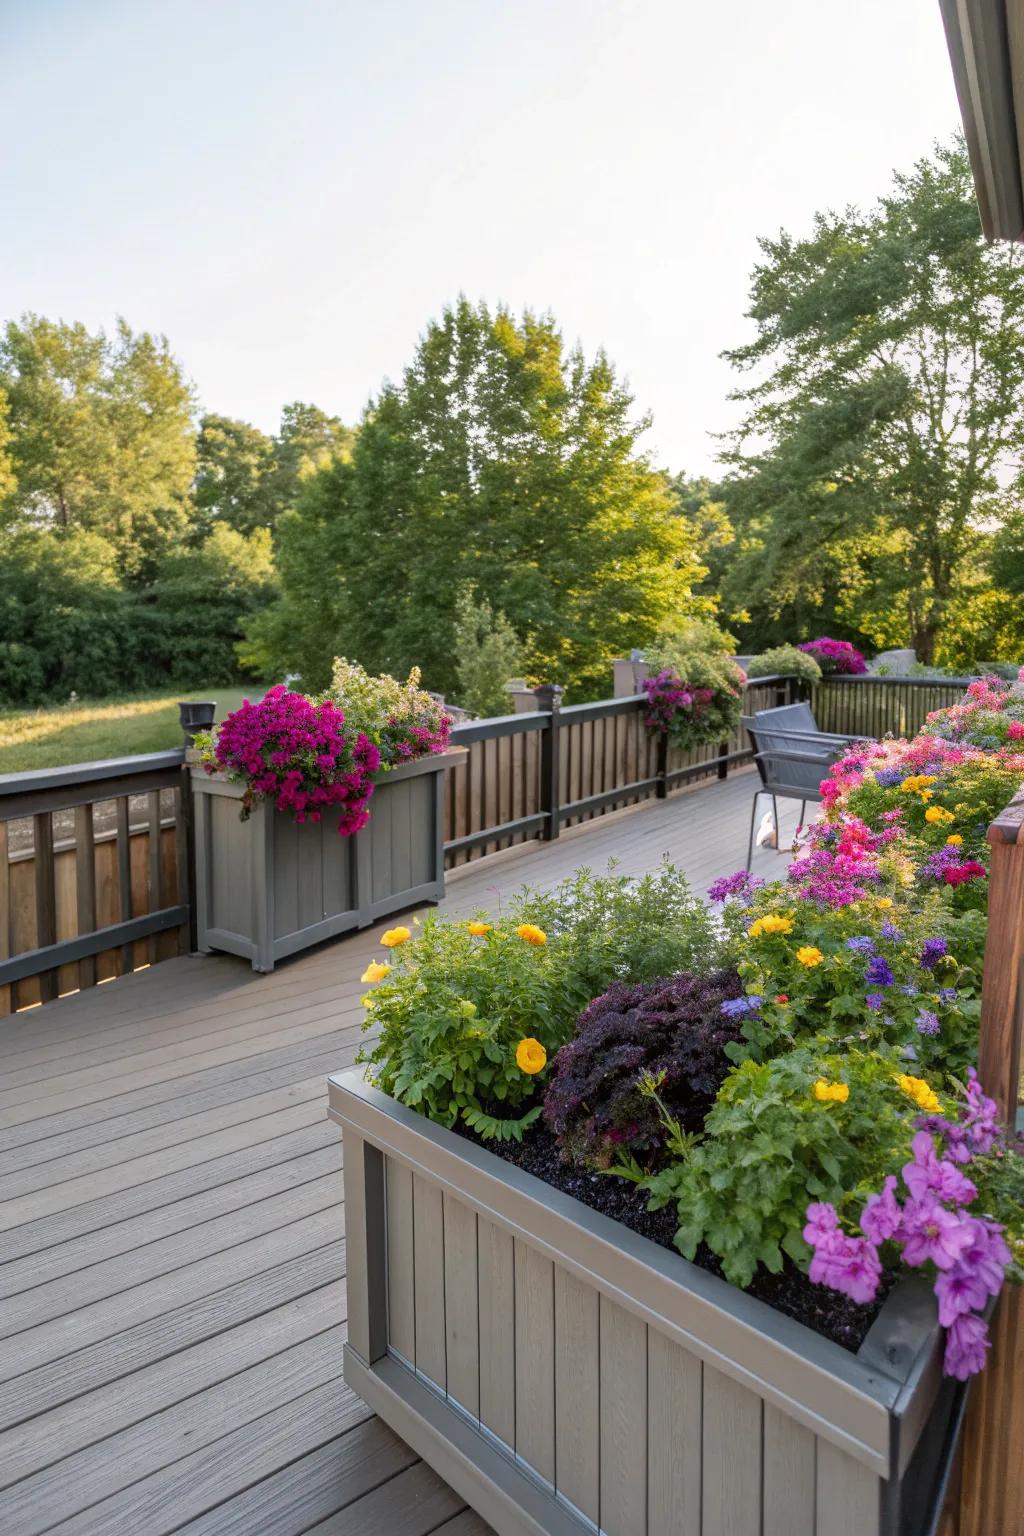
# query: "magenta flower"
(847, 1264)
(966, 1345)
(822, 1221)
(882, 1217)
(958, 1290)
(933, 1233)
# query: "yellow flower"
(531, 1056)
(375, 971)
(808, 955)
(884, 903)
(367, 999)
(917, 1089)
(918, 781)
(467, 1008)
(478, 929)
(936, 813)
(532, 935)
(772, 923)
(954, 840)
(395, 936)
(826, 1092)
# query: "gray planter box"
(566, 1375)
(267, 887)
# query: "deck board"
(172, 1254)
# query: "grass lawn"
(81, 733)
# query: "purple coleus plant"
(931, 1225)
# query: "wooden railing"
(538, 773)
(93, 874)
(877, 706)
(93, 858)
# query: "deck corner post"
(661, 768)
(549, 700)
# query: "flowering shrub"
(300, 755)
(937, 1222)
(455, 1005)
(700, 702)
(991, 715)
(401, 720)
(673, 1030)
(836, 658)
(786, 660)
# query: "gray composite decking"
(172, 1254)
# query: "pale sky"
(290, 189)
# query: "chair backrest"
(800, 764)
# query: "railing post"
(723, 759)
(661, 767)
(992, 1495)
(549, 698)
(194, 717)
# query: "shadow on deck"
(172, 1254)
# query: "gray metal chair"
(792, 757)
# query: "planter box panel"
(625, 1389)
(269, 887)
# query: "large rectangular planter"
(567, 1376)
(268, 887)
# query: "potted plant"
(716, 1251)
(317, 816)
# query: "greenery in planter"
(401, 719)
(453, 1007)
(783, 660)
(696, 701)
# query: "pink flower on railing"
(835, 657)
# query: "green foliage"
(247, 479)
(782, 659)
(389, 712)
(888, 415)
(699, 699)
(771, 1147)
(457, 1004)
(488, 654)
(101, 436)
(502, 460)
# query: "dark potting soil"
(790, 1291)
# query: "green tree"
(488, 654)
(234, 481)
(884, 428)
(8, 482)
(505, 461)
(101, 435)
(192, 615)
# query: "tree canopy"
(503, 460)
(885, 417)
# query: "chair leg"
(750, 839)
(778, 831)
(803, 813)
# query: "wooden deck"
(172, 1246)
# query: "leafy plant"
(810, 1125)
(401, 720)
(697, 701)
(456, 1003)
(781, 660)
(673, 1031)
(488, 654)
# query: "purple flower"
(889, 777)
(958, 1291)
(875, 1001)
(987, 1257)
(931, 953)
(736, 1007)
(966, 1345)
(847, 1264)
(932, 1232)
(908, 989)
(928, 1175)
(882, 1218)
(822, 1221)
(740, 885)
(927, 1022)
(862, 945)
(879, 972)
(947, 994)
(891, 932)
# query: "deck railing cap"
(88, 773)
